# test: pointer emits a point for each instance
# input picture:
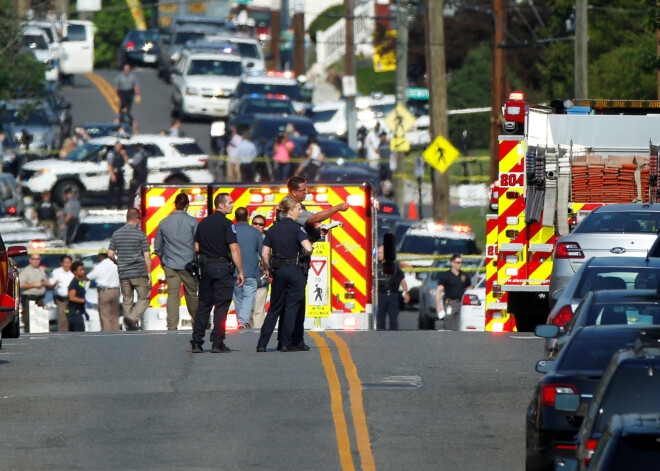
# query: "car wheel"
(58, 191)
(13, 329)
(424, 322)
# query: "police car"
(424, 242)
(170, 160)
(275, 83)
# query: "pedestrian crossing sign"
(318, 282)
(440, 154)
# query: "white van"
(77, 48)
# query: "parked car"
(248, 48)
(610, 230)
(253, 104)
(36, 127)
(77, 49)
(171, 46)
(10, 323)
(96, 228)
(550, 434)
(630, 441)
(473, 309)
(107, 129)
(276, 83)
(11, 196)
(603, 273)
(139, 47)
(36, 40)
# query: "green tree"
(325, 19)
(20, 72)
(112, 24)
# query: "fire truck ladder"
(535, 166)
(653, 173)
(550, 201)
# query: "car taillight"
(589, 449)
(568, 250)
(549, 392)
(471, 300)
(563, 316)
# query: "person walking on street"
(127, 88)
(233, 162)
(76, 298)
(175, 246)
(139, 164)
(297, 187)
(107, 285)
(251, 242)
(117, 158)
(70, 215)
(259, 306)
(34, 283)
(175, 129)
(372, 142)
(246, 152)
(389, 281)
(217, 247)
(285, 240)
(282, 156)
(452, 284)
(60, 279)
(129, 249)
(47, 212)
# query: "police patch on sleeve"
(303, 229)
(233, 228)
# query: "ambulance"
(341, 286)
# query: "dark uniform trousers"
(216, 289)
(286, 302)
(388, 306)
(117, 189)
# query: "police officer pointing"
(216, 246)
(286, 240)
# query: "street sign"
(348, 85)
(399, 144)
(415, 93)
(318, 282)
(399, 120)
(440, 154)
(385, 53)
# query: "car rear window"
(592, 354)
(633, 388)
(620, 222)
(268, 128)
(638, 452)
(292, 91)
(625, 313)
(99, 231)
(189, 148)
(267, 106)
(436, 245)
(595, 279)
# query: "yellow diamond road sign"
(399, 120)
(399, 144)
(440, 154)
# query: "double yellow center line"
(106, 90)
(337, 403)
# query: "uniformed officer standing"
(286, 240)
(217, 246)
(116, 158)
(453, 284)
(388, 292)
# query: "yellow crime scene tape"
(63, 251)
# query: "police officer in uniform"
(287, 241)
(116, 158)
(389, 280)
(216, 246)
(452, 283)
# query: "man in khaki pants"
(107, 284)
(175, 246)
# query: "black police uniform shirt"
(47, 211)
(389, 282)
(214, 234)
(79, 287)
(285, 238)
(117, 160)
(455, 285)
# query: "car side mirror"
(543, 366)
(557, 294)
(547, 331)
(567, 402)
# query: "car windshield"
(592, 354)
(267, 106)
(143, 37)
(292, 91)
(248, 50)
(323, 116)
(594, 279)
(618, 222)
(84, 152)
(96, 231)
(633, 388)
(215, 67)
(429, 245)
(189, 148)
(625, 312)
(183, 38)
(27, 117)
(35, 42)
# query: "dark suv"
(10, 323)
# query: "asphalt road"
(358, 400)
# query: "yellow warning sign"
(440, 154)
(399, 144)
(399, 120)
(318, 282)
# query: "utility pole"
(349, 65)
(275, 34)
(581, 38)
(498, 93)
(437, 84)
(299, 37)
(401, 91)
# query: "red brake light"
(11, 210)
(130, 45)
(388, 209)
(471, 300)
(519, 96)
(549, 392)
(563, 316)
(590, 447)
(461, 228)
(568, 250)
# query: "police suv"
(169, 160)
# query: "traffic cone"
(412, 211)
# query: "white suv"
(169, 160)
(203, 83)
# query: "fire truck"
(557, 163)
(341, 286)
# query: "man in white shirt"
(372, 142)
(246, 152)
(61, 279)
(107, 285)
